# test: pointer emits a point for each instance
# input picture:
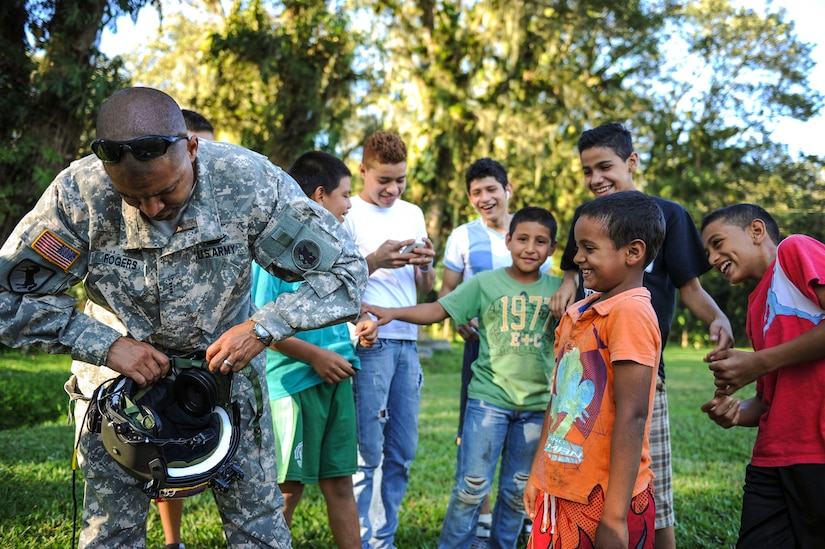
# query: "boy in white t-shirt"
(388, 387)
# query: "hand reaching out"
(382, 314)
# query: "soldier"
(162, 229)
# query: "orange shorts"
(576, 523)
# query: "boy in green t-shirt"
(509, 390)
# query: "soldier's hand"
(137, 360)
(234, 349)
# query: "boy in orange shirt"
(587, 487)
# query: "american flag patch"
(55, 250)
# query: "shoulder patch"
(54, 250)
(306, 254)
(27, 276)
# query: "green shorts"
(315, 434)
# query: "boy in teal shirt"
(310, 389)
(509, 390)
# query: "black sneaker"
(480, 543)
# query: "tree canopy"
(697, 82)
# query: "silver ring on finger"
(228, 363)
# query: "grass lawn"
(36, 476)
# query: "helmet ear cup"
(196, 391)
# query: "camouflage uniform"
(177, 294)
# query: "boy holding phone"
(388, 387)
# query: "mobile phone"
(411, 247)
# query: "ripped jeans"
(490, 432)
(387, 392)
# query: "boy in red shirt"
(782, 504)
(591, 483)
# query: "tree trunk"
(48, 107)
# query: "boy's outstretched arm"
(699, 302)
(734, 369)
(423, 313)
(449, 281)
(632, 382)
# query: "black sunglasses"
(142, 148)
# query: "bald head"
(134, 112)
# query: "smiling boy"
(509, 387)
(608, 163)
(591, 482)
(474, 247)
(782, 503)
(388, 387)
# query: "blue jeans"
(387, 392)
(490, 432)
